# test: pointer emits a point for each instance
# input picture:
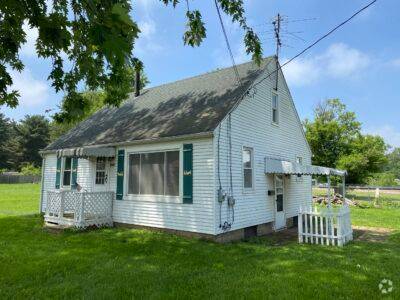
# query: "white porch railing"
(327, 226)
(79, 209)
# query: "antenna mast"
(277, 29)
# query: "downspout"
(42, 186)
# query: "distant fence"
(19, 178)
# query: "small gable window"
(275, 108)
(247, 158)
(67, 171)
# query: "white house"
(204, 155)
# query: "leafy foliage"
(97, 38)
(383, 179)
(30, 169)
(336, 141)
(393, 165)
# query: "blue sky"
(359, 63)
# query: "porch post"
(344, 189)
(329, 191)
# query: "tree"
(332, 132)
(393, 165)
(93, 102)
(336, 141)
(365, 158)
(6, 134)
(97, 37)
(33, 135)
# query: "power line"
(329, 33)
(302, 52)
(318, 40)
(227, 44)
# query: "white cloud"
(343, 61)
(390, 134)
(32, 91)
(395, 62)
(29, 49)
(223, 58)
(147, 28)
(301, 72)
(147, 41)
(338, 61)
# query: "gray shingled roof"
(189, 106)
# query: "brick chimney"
(137, 82)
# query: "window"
(67, 171)
(279, 192)
(275, 107)
(299, 160)
(155, 173)
(101, 176)
(247, 157)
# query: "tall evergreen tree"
(33, 134)
(5, 136)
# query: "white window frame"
(275, 93)
(149, 197)
(248, 189)
(62, 173)
(104, 170)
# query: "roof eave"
(144, 141)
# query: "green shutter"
(74, 174)
(58, 173)
(120, 174)
(188, 173)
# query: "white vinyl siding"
(252, 127)
(166, 211)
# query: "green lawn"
(19, 199)
(387, 215)
(127, 263)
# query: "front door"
(280, 220)
(101, 175)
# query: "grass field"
(127, 263)
(19, 199)
(387, 215)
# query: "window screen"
(67, 171)
(100, 170)
(154, 173)
(247, 157)
(275, 116)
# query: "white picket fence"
(79, 209)
(326, 226)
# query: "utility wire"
(317, 41)
(227, 44)
(302, 52)
(328, 33)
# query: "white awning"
(87, 152)
(277, 166)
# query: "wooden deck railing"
(79, 209)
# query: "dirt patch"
(371, 234)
